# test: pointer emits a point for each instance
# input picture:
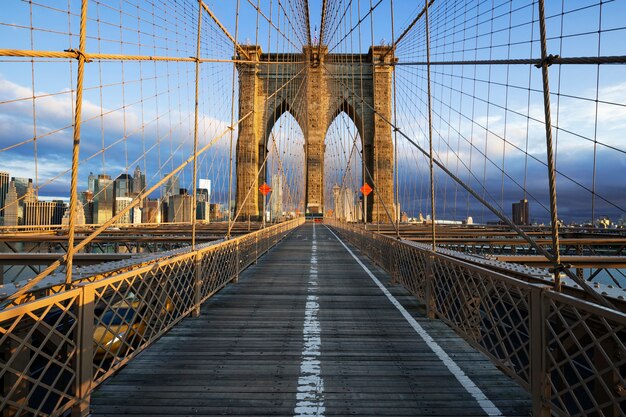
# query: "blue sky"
(141, 114)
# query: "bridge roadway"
(308, 331)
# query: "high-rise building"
(11, 207)
(139, 185)
(345, 207)
(25, 194)
(4, 189)
(91, 182)
(21, 185)
(103, 199)
(276, 200)
(521, 213)
(171, 187)
(202, 195)
(122, 186)
(179, 208)
(139, 181)
(135, 215)
(164, 210)
(88, 210)
(80, 215)
(205, 184)
(336, 189)
(30, 196)
(86, 200)
(85, 197)
(151, 212)
(121, 203)
(203, 210)
(216, 212)
(44, 213)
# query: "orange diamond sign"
(265, 189)
(366, 189)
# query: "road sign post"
(265, 190)
(366, 190)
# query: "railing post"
(236, 280)
(394, 261)
(539, 386)
(84, 355)
(13, 351)
(394, 248)
(198, 285)
(429, 292)
(256, 246)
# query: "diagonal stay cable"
(583, 284)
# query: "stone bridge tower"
(315, 87)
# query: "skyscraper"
(21, 185)
(336, 189)
(151, 213)
(103, 199)
(276, 204)
(25, 194)
(521, 213)
(86, 198)
(122, 187)
(171, 187)
(91, 182)
(4, 189)
(80, 214)
(11, 206)
(345, 207)
(179, 208)
(43, 213)
(205, 184)
(120, 204)
(139, 181)
(29, 196)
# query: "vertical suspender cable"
(430, 131)
(232, 130)
(549, 147)
(76, 146)
(195, 134)
(395, 135)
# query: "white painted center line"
(310, 396)
(469, 385)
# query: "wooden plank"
(243, 355)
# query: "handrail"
(569, 353)
(86, 333)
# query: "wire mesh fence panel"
(134, 309)
(39, 348)
(218, 266)
(488, 309)
(586, 358)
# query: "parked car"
(119, 328)
(123, 326)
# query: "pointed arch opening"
(343, 167)
(284, 169)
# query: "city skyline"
(103, 198)
(500, 151)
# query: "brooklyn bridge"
(312, 207)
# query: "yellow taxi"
(119, 328)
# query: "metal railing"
(570, 354)
(57, 349)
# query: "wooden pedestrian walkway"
(309, 331)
